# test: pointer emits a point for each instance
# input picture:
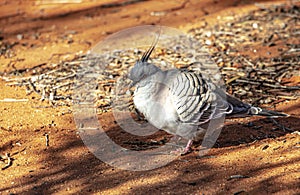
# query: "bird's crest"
(142, 69)
(147, 54)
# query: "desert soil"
(39, 30)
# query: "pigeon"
(182, 102)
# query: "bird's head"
(142, 68)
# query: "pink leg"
(188, 147)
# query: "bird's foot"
(186, 151)
(183, 151)
(188, 148)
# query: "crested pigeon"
(182, 102)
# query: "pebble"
(19, 37)
(255, 25)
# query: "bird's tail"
(240, 109)
(268, 113)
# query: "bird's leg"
(182, 151)
(188, 147)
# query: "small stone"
(19, 37)
(255, 25)
(208, 34)
(208, 42)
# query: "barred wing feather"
(195, 100)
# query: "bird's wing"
(196, 100)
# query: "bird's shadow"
(251, 130)
(234, 132)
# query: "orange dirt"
(58, 31)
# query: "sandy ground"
(42, 29)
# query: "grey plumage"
(181, 102)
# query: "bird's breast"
(153, 101)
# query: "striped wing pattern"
(195, 100)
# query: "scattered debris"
(240, 192)
(265, 147)
(47, 139)
(13, 100)
(237, 177)
(258, 81)
(9, 161)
